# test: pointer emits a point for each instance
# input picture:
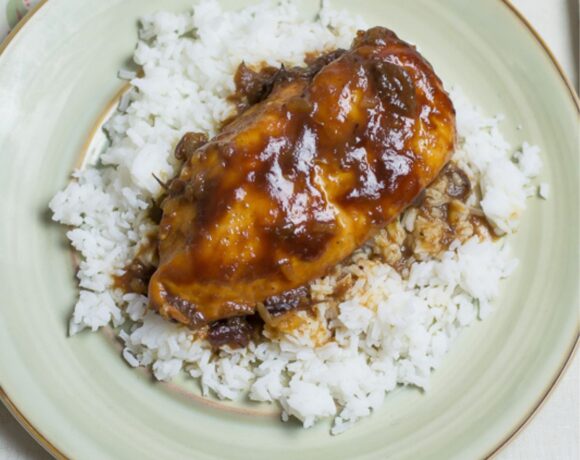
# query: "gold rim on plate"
(518, 428)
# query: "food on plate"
(327, 155)
(301, 204)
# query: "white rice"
(388, 331)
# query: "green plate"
(79, 397)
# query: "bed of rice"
(386, 331)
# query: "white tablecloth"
(554, 433)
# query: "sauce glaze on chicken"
(322, 158)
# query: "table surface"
(554, 433)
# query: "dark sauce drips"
(234, 332)
(254, 86)
(136, 278)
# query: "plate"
(79, 398)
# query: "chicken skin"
(325, 157)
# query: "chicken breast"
(329, 155)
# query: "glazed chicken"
(323, 157)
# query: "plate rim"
(529, 415)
